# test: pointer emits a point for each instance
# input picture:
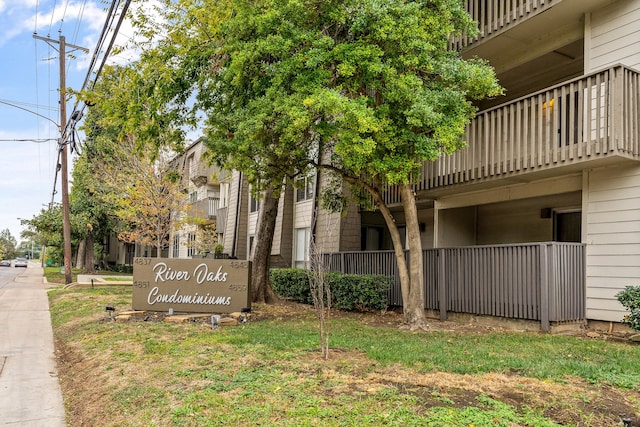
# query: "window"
(193, 197)
(371, 238)
(567, 226)
(254, 200)
(191, 246)
(254, 205)
(191, 165)
(304, 190)
(176, 246)
(302, 247)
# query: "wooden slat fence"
(537, 281)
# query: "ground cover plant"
(630, 299)
(269, 372)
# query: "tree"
(7, 244)
(371, 86)
(131, 164)
(45, 229)
(199, 56)
(373, 83)
(92, 217)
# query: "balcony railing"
(494, 16)
(543, 282)
(206, 208)
(588, 118)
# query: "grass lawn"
(53, 275)
(268, 372)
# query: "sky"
(29, 80)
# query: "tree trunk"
(89, 254)
(414, 306)
(263, 243)
(80, 254)
(411, 282)
(401, 261)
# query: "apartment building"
(295, 224)
(553, 160)
(546, 195)
(206, 188)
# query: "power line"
(29, 111)
(76, 30)
(53, 12)
(105, 30)
(37, 141)
(111, 15)
(64, 14)
(27, 104)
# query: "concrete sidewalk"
(30, 393)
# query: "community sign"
(191, 285)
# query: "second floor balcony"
(584, 122)
(496, 16)
(205, 209)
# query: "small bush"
(348, 291)
(354, 292)
(291, 283)
(630, 299)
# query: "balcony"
(496, 16)
(585, 122)
(199, 174)
(206, 209)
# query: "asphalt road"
(30, 393)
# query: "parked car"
(5, 263)
(20, 262)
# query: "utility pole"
(64, 156)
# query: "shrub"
(291, 283)
(355, 292)
(630, 299)
(348, 291)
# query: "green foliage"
(279, 82)
(45, 229)
(7, 245)
(125, 183)
(291, 283)
(358, 292)
(489, 412)
(348, 292)
(630, 299)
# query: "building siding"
(283, 256)
(237, 216)
(615, 36)
(612, 199)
